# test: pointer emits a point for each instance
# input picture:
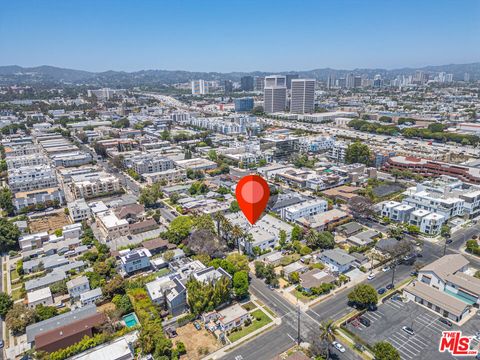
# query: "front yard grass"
(302, 297)
(288, 259)
(17, 293)
(263, 320)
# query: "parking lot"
(386, 325)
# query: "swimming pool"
(130, 320)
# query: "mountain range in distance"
(54, 75)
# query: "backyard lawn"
(263, 320)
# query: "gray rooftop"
(59, 320)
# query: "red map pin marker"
(252, 194)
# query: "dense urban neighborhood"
(122, 237)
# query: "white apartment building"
(31, 178)
(35, 159)
(110, 226)
(93, 185)
(303, 96)
(170, 176)
(150, 163)
(304, 209)
(78, 210)
(337, 151)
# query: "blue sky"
(238, 35)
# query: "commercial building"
(445, 287)
(303, 96)
(275, 94)
(282, 146)
(244, 104)
(246, 83)
(431, 168)
(15, 162)
(259, 83)
(106, 93)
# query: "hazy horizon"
(238, 36)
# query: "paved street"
(282, 337)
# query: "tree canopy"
(363, 295)
(385, 351)
(358, 153)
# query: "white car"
(371, 277)
(386, 268)
(338, 346)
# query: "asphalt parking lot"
(386, 325)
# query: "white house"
(78, 286)
(39, 297)
(337, 260)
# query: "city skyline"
(243, 36)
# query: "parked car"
(446, 322)
(449, 241)
(371, 276)
(419, 255)
(359, 347)
(414, 273)
(381, 291)
(386, 268)
(197, 325)
(408, 330)
(364, 321)
(389, 286)
(1, 344)
(338, 346)
(397, 298)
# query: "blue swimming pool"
(130, 320)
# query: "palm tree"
(237, 234)
(328, 334)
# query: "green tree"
(294, 277)
(297, 233)
(363, 295)
(239, 262)
(328, 334)
(282, 238)
(114, 286)
(179, 229)
(234, 207)
(240, 284)
(9, 234)
(385, 351)
(6, 201)
(19, 317)
(358, 153)
(123, 304)
(45, 312)
(207, 296)
(6, 303)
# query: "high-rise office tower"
(357, 82)
(246, 83)
(466, 77)
(377, 81)
(228, 86)
(259, 83)
(350, 81)
(275, 94)
(199, 87)
(290, 77)
(303, 96)
(331, 81)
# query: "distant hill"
(53, 75)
